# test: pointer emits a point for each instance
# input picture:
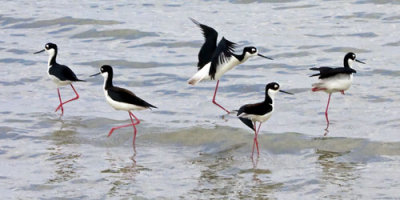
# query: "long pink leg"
(255, 138)
(118, 127)
(318, 89)
(131, 124)
(60, 106)
(342, 91)
(215, 94)
(326, 111)
(258, 130)
(73, 99)
(134, 126)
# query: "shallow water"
(185, 149)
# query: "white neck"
(272, 94)
(351, 63)
(105, 75)
(51, 53)
(247, 55)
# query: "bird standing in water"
(121, 99)
(215, 60)
(60, 74)
(260, 112)
(335, 79)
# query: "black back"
(221, 55)
(121, 94)
(63, 73)
(326, 72)
(209, 46)
(126, 96)
(260, 108)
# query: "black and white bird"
(335, 79)
(121, 99)
(260, 112)
(215, 60)
(60, 74)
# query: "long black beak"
(360, 61)
(286, 92)
(264, 56)
(39, 51)
(95, 74)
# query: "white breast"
(233, 61)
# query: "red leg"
(317, 89)
(342, 91)
(326, 111)
(255, 138)
(134, 126)
(215, 94)
(118, 127)
(60, 106)
(131, 124)
(73, 99)
(258, 130)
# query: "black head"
(273, 88)
(252, 51)
(49, 47)
(349, 58)
(104, 70)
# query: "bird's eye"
(253, 50)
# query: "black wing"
(320, 69)
(222, 54)
(126, 96)
(326, 72)
(63, 73)
(254, 109)
(248, 122)
(209, 46)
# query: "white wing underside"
(203, 73)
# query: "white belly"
(58, 82)
(340, 82)
(226, 67)
(120, 105)
(257, 118)
(203, 73)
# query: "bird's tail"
(200, 75)
(248, 122)
(315, 75)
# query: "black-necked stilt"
(249, 114)
(60, 74)
(121, 99)
(215, 60)
(335, 79)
